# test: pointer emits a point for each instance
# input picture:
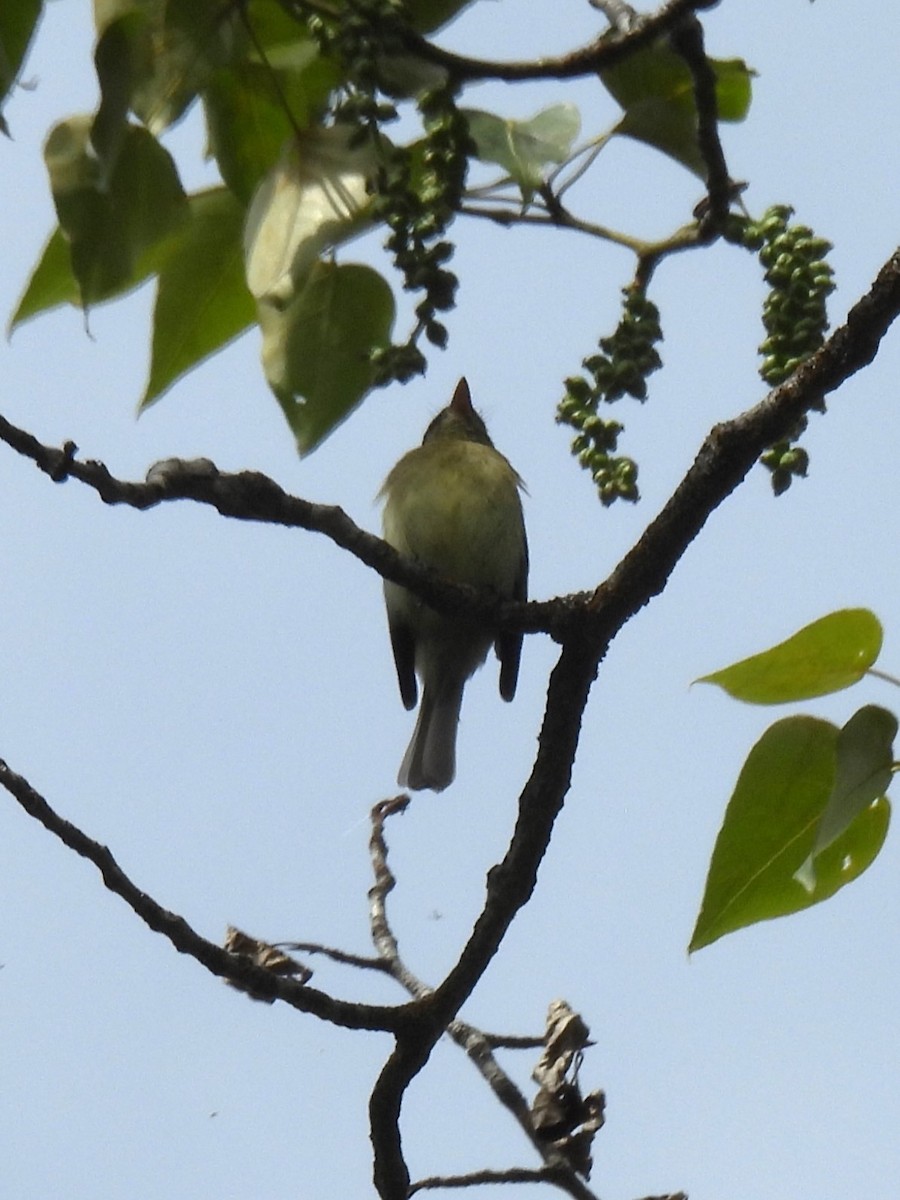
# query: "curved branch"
(252, 496)
(478, 1046)
(259, 982)
(611, 47)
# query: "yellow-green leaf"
(525, 148)
(770, 827)
(52, 282)
(826, 656)
(113, 220)
(202, 300)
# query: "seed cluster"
(794, 314)
(628, 356)
(418, 188)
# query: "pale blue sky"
(217, 702)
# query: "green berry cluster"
(794, 314)
(419, 192)
(785, 461)
(356, 36)
(628, 356)
(418, 188)
(800, 278)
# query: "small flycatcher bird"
(453, 505)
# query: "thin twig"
(478, 1046)
(560, 218)
(588, 155)
(475, 1178)
(361, 961)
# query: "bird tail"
(430, 759)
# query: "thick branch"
(252, 496)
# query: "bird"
(452, 504)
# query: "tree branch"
(261, 983)
(732, 448)
(724, 459)
(611, 47)
(687, 40)
(477, 1045)
(474, 1178)
(252, 496)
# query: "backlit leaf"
(113, 224)
(770, 827)
(826, 656)
(315, 197)
(655, 88)
(525, 148)
(52, 282)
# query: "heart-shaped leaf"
(525, 148)
(769, 831)
(317, 350)
(656, 90)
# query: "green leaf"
(114, 226)
(52, 282)
(18, 23)
(202, 301)
(525, 148)
(253, 109)
(317, 196)
(317, 350)
(247, 125)
(655, 88)
(160, 53)
(770, 828)
(865, 756)
(826, 656)
(113, 62)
